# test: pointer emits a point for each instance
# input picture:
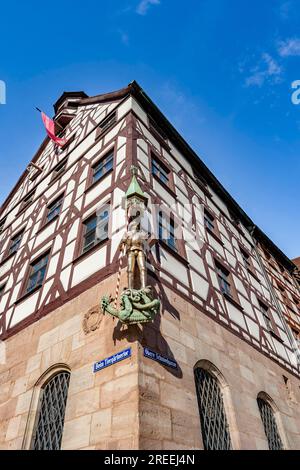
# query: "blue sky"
(221, 71)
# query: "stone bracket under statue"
(137, 304)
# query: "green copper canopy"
(134, 188)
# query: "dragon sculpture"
(137, 306)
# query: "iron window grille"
(50, 424)
(270, 426)
(15, 243)
(160, 171)
(103, 167)
(96, 230)
(54, 209)
(166, 230)
(37, 273)
(214, 426)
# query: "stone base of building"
(139, 403)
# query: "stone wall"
(169, 417)
(102, 407)
(139, 403)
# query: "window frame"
(169, 185)
(209, 221)
(45, 220)
(106, 123)
(233, 295)
(33, 413)
(170, 223)
(262, 399)
(24, 291)
(2, 224)
(19, 234)
(105, 156)
(84, 251)
(221, 416)
(27, 200)
(58, 174)
(268, 319)
(2, 289)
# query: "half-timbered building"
(219, 366)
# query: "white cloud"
(289, 47)
(144, 6)
(267, 70)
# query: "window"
(27, 200)
(214, 426)
(15, 243)
(246, 259)
(296, 334)
(209, 221)
(59, 170)
(2, 223)
(50, 422)
(104, 166)
(107, 123)
(266, 315)
(160, 171)
(95, 230)
(54, 209)
(224, 280)
(166, 230)
(37, 273)
(270, 426)
(2, 289)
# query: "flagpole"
(39, 110)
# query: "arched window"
(270, 425)
(214, 426)
(51, 414)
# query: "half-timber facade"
(226, 339)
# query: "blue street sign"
(159, 358)
(109, 361)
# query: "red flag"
(50, 129)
